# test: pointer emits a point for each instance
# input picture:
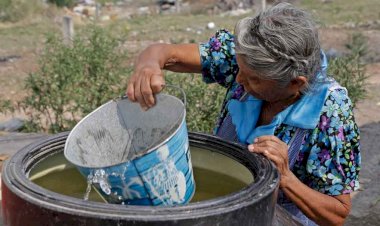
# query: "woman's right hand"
(146, 81)
(148, 78)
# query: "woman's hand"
(321, 208)
(146, 80)
(276, 151)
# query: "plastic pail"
(133, 156)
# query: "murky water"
(209, 184)
(67, 182)
(215, 175)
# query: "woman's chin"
(256, 95)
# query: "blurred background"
(60, 59)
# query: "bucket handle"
(163, 87)
(126, 97)
(181, 90)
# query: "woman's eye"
(254, 79)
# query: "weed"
(349, 70)
(73, 81)
(16, 10)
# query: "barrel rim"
(16, 180)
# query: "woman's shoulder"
(224, 34)
(218, 59)
(221, 42)
(337, 102)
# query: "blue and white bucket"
(133, 156)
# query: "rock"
(105, 18)
(85, 10)
(12, 125)
(143, 10)
(211, 25)
(236, 12)
(10, 58)
(350, 25)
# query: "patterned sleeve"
(218, 59)
(334, 161)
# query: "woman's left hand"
(276, 151)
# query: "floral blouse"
(329, 160)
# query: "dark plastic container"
(26, 203)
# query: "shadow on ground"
(366, 204)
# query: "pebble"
(12, 125)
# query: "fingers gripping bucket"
(135, 157)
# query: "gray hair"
(280, 44)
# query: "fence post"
(97, 11)
(68, 30)
(264, 4)
(178, 5)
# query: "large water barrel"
(26, 203)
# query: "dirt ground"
(367, 111)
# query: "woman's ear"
(298, 83)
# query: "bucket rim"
(181, 119)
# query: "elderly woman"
(279, 102)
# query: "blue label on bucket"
(165, 179)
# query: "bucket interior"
(215, 175)
(120, 130)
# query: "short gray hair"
(280, 44)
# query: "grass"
(343, 11)
(175, 28)
(15, 10)
(25, 36)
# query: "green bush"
(349, 70)
(16, 10)
(62, 3)
(72, 81)
(203, 101)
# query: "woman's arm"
(319, 207)
(148, 79)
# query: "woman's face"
(267, 90)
